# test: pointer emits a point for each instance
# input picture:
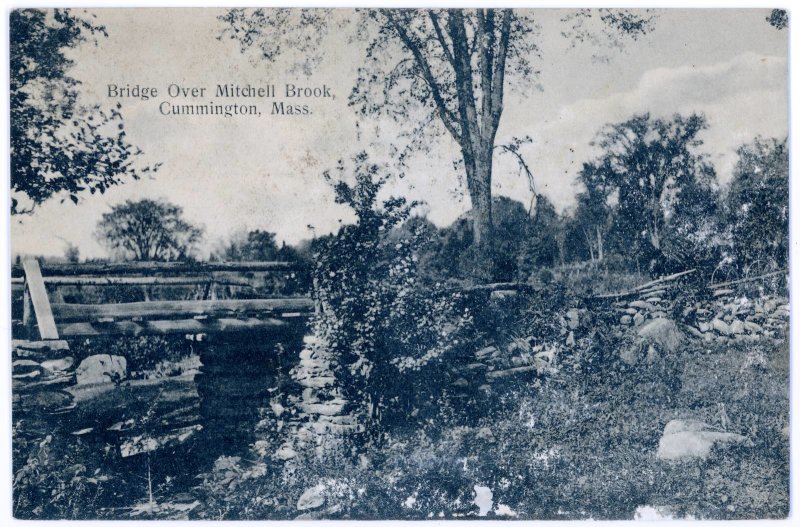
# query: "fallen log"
(18, 282)
(177, 308)
(749, 279)
(644, 287)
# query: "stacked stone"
(318, 415)
(41, 373)
(519, 356)
(649, 304)
(731, 317)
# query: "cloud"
(743, 97)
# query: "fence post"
(37, 296)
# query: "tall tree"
(757, 204)
(443, 69)
(541, 246)
(148, 230)
(58, 145)
(650, 162)
(595, 213)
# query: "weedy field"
(611, 426)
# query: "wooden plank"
(171, 327)
(663, 279)
(97, 280)
(178, 309)
(40, 300)
(113, 268)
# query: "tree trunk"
(479, 181)
(599, 243)
(589, 244)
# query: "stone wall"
(40, 373)
(724, 315)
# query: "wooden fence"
(43, 319)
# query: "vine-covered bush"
(374, 317)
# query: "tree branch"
(447, 118)
(439, 35)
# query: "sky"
(265, 172)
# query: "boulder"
(737, 327)
(97, 369)
(685, 439)
(626, 319)
(662, 332)
(630, 354)
(485, 434)
(638, 318)
(641, 304)
(285, 452)
(312, 498)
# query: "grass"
(578, 444)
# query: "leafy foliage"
(148, 230)
(779, 19)
(373, 316)
(660, 186)
(58, 145)
(444, 69)
(256, 246)
(757, 205)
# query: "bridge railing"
(46, 320)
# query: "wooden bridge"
(246, 346)
(47, 320)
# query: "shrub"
(373, 316)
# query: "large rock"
(312, 498)
(662, 332)
(685, 439)
(97, 369)
(658, 335)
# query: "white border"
(5, 258)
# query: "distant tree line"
(648, 202)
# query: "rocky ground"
(649, 404)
